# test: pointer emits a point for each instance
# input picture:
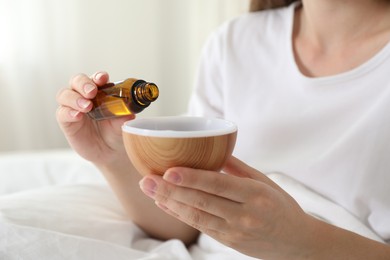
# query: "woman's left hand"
(242, 209)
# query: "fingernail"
(161, 206)
(173, 177)
(83, 103)
(88, 88)
(74, 113)
(148, 186)
(99, 75)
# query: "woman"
(312, 79)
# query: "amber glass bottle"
(127, 97)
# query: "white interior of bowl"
(179, 126)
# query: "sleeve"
(207, 97)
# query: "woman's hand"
(101, 143)
(97, 141)
(242, 209)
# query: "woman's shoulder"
(251, 30)
(263, 22)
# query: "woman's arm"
(330, 242)
(124, 180)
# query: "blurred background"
(44, 42)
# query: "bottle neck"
(144, 93)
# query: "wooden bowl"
(159, 143)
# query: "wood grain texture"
(154, 155)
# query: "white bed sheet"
(55, 205)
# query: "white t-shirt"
(330, 133)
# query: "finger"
(238, 168)
(211, 225)
(200, 220)
(74, 100)
(227, 186)
(115, 127)
(84, 85)
(100, 78)
(196, 208)
(165, 192)
(68, 115)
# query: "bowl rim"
(133, 127)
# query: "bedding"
(55, 205)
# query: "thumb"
(238, 168)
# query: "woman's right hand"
(97, 141)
